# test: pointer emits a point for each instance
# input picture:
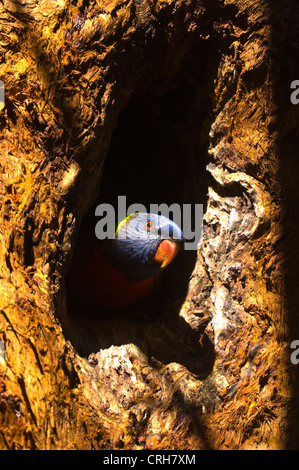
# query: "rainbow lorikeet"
(117, 272)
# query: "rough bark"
(212, 370)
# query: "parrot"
(117, 272)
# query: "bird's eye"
(149, 225)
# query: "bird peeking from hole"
(117, 272)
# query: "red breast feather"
(98, 283)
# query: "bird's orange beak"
(166, 252)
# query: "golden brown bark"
(213, 370)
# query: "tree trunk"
(98, 96)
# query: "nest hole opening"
(158, 154)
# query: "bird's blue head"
(145, 244)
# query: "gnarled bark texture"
(200, 91)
